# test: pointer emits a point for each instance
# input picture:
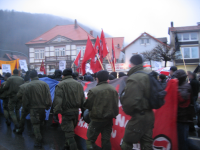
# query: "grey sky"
(119, 18)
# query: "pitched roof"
(68, 31)
(140, 37)
(116, 41)
(163, 39)
(186, 28)
(14, 57)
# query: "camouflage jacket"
(22, 88)
(69, 96)
(137, 90)
(12, 85)
(36, 95)
(102, 102)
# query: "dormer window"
(188, 36)
(145, 41)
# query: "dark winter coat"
(195, 87)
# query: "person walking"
(24, 112)
(5, 98)
(172, 70)
(12, 87)
(69, 97)
(36, 99)
(135, 103)
(102, 103)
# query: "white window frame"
(182, 49)
(62, 51)
(181, 34)
(144, 41)
(42, 54)
(37, 54)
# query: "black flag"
(177, 44)
(197, 69)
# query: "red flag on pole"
(77, 61)
(94, 63)
(89, 53)
(42, 68)
(103, 47)
(113, 59)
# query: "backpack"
(157, 93)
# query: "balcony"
(55, 59)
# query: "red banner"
(165, 129)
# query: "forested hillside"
(17, 28)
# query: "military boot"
(8, 122)
(19, 130)
(16, 128)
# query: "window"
(39, 54)
(145, 41)
(187, 36)
(60, 51)
(190, 52)
(82, 48)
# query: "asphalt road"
(53, 138)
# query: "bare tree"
(149, 56)
(164, 53)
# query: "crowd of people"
(101, 105)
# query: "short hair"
(7, 74)
(173, 68)
(33, 74)
(15, 71)
(162, 76)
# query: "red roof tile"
(66, 30)
(116, 41)
(141, 36)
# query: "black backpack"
(157, 93)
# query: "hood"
(179, 74)
(58, 73)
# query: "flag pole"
(99, 61)
(110, 63)
(183, 60)
(72, 65)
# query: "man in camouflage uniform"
(36, 99)
(5, 98)
(135, 103)
(102, 103)
(12, 87)
(24, 112)
(69, 97)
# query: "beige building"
(189, 39)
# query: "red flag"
(42, 67)
(113, 59)
(103, 47)
(89, 53)
(95, 64)
(77, 61)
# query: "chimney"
(91, 32)
(172, 24)
(198, 23)
(75, 24)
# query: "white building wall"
(137, 48)
(47, 51)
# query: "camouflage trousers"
(24, 113)
(69, 122)
(14, 105)
(139, 129)
(105, 128)
(5, 108)
(37, 116)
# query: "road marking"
(192, 138)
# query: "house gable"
(59, 39)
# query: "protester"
(24, 112)
(40, 76)
(75, 75)
(5, 98)
(184, 112)
(194, 83)
(111, 77)
(172, 70)
(121, 74)
(58, 75)
(81, 78)
(88, 78)
(102, 103)
(114, 74)
(134, 103)
(12, 87)
(162, 79)
(69, 97)
(36, 99)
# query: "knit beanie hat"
(136, 59)
(67, 72)
(102, 75)
(114, 74)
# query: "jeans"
(183, 131)
(81, 143)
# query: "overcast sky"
(118, 18)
